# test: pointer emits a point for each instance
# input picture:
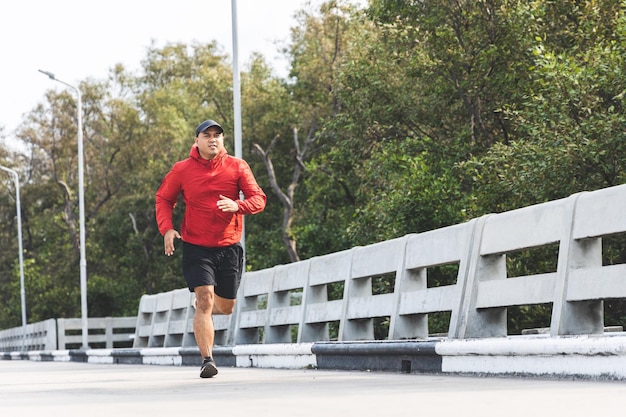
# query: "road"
(67, 389)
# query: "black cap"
(207, 124)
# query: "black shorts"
(220, 267)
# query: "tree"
(568, 129)
(318, 51)
(417, 115)
(287, 197)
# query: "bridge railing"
(61, 334)
(333, 296)
(291, 303)
(105, 332)
(34, 336)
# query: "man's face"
(210, 142)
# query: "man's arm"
(166, 197)
(255, 198)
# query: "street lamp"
(81, 209)
(21, 256)
(237, 101)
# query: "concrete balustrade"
(61, 334)
(34, 336)
(163, 320)
(166, 320)
(477, 301)
(108, 332)
(291, 304)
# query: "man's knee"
(205, 299)
(223, 306)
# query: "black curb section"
(78, 355)
(403, 356)
(127, 356)
(47, 357)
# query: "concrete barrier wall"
(106, 332)
(53, 334)
(163, 320)
(284, 315)
(290, 303)
(34, 336)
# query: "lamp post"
(236, 83)
(81, 209)
(20, 249)
(237, 100)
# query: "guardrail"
(477, 302)
(106, 332)
(53, 334)
(290, 303)
(34, 336)
(166, 320)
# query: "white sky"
(80, 39)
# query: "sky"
(78, 39)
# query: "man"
(210, 181)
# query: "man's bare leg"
(203, 329)
(207, 304)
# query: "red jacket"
(201, 182)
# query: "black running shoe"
(208, 369)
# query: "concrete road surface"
(66, 389)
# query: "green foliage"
(423, 114)
(567, 129)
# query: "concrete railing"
(166, 320)
(35, 336)
(106, 332)
(59, 334)
(477, 301)
(327, 311)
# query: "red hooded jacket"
(201, 182)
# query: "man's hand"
(227, 205)
(168, 241)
